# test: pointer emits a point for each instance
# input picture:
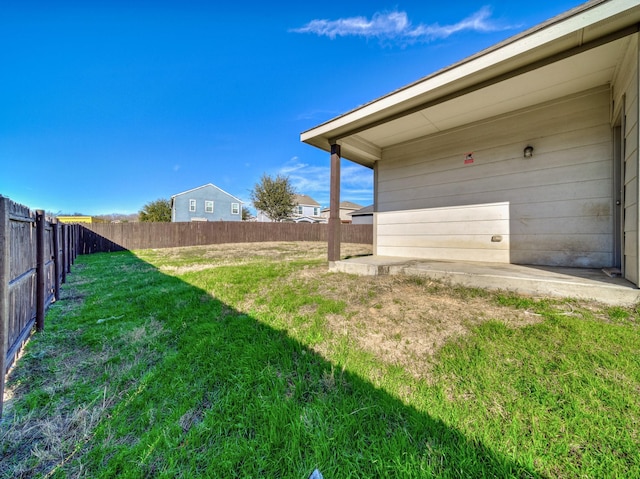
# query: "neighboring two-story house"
(306, 210)
(205, 203)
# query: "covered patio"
(579, 283)
(515, 168)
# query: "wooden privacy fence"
(99, 238)
(36, 254)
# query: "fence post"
(74, 243)
(5, 275)
(55, 227)
(40, 270)
(64, 252)
(68, 246)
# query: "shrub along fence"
(36, 253)
(101, 237)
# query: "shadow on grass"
(198, 389)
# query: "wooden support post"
(57, 260)
(41, 292)
(5, 277)
(334, 206)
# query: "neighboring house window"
(192, 205)
(299, 210)
(208, 206)
(316, 211)
(235, 208)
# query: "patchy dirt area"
(406, 320)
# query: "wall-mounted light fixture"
(528, 151)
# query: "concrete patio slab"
(592, 284)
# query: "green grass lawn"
(205, 362)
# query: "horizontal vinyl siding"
(552, 209)
(631, 175)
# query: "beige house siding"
(490, 203)
(344, 214)
(625, 99)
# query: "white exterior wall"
(552, 209)
(362, 219)
(307, 210)
(625, 99)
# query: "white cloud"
(397, 26)
(306, 179)
(381, 24)
(356, 176)
(356, 182)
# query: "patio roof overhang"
(578, 50)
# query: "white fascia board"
(192, 189)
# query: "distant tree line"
(110, 217)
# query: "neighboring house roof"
(305, 200)
(205, 186)
(367, 210)
(575, 51)
(346, 205)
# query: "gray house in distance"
(205, 203)
(363, 216)
(307, 210)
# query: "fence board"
(30, 248)
(106, 237)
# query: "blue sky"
(108, 105)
